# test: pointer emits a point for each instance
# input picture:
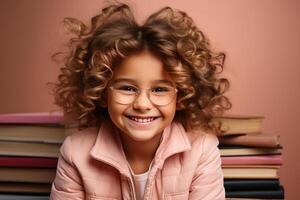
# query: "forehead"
(142, 68)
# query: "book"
(251, 184)
(266, 194)
(250, 172)
(32, 133)
(14, 161)
(244, 151)
(246, 199)
(27, 175)
(243, 199)
(251, 140)
(23, 197)
(15, 187)
(253, 160)
(29, 149)
(32, 118)
(239, 125)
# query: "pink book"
(252, 160)
(32, 118)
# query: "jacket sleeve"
(207, 182)
(67, 184)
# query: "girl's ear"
(179, 106)
(103, 101)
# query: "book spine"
(247, 184)
(252, 160)
(28, 162)
(251, 140)
(266, 194)
(32, 118)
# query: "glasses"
(159, 95)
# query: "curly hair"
(114, 35)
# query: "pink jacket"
(93, 166)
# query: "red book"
(32, 118)
(252, 160)
(6, 161)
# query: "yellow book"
(32, 133)
(29, 149)
(239, 124)
(29, 175)
(250, 172)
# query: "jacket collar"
(174, 140)
(108, 146)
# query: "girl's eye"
(160, 89)
(127, 88)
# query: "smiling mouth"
(141, 119)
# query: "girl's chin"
(145, 136)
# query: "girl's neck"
(140, 154)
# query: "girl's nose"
(142, 102)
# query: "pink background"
(261, 39)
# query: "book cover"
(252, 166)
(23, 197)
(13, 161)
(247, 199)
(244, 151)
(29, 149)
(15, 187)
(266, 194)
(271, 141)
(27, 175)
(32, 118)
(31, 133)
(234, 124)
(249, 184)
(252, 160)
(246, 172)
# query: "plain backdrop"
(261, 39)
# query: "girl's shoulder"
(85, 134)
(202, 140)
(78, 143)
(84, 137)
(196, 134)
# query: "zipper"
(132, 191)
(149, 185)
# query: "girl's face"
(140, 119)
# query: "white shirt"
(140, 181)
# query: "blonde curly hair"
(112, 36)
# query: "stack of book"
(30, 142)
(250, 159)
(29, 148)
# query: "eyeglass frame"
(139, 90)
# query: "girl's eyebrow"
(165, 81)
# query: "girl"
(144, 97)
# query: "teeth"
(142, 120)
